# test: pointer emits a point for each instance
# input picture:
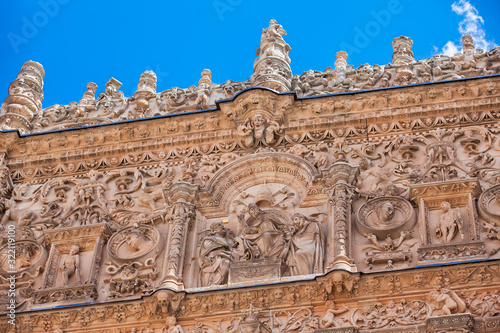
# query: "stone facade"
(373, 206)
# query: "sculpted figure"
(71, 265)
(262, 234)
(450, 223)
(21, 217)
(171, 326)
(215, 256)
(306, 248)
(329, 319)
(446, 301)
(258, 128)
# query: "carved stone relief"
(270, 212)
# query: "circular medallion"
(489, 205)
(385, 215)
(134, 244)
(28, 256)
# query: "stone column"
(340, 179)
(180, 198)
(25, 98)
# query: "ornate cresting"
(180, 199)
(340, 179)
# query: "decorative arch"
(261, 168)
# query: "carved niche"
(268, 234)
(448, 221)
(73, 264)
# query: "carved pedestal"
(256, 270)
(73, 265)
(448, 221)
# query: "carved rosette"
(180, 198)
(385, 216)
(340, 179)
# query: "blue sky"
(90, 41)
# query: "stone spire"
(341, 62)
(145, 89)
(402, 51)
(402, 59)
(25, 98)
(468, 45)
(272, 67)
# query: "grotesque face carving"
(278, 295)
(338, 282)
(258, 121)
(101, 314)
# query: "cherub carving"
(446, 302)
(71, 265)
(329, 319)
(20, 216)
(171, 327)
(450, 223)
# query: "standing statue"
(71, 265)
(450, 223)
(306, 248)
(262, 234)
(215, 256)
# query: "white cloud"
(472, 24)
(450, 49)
